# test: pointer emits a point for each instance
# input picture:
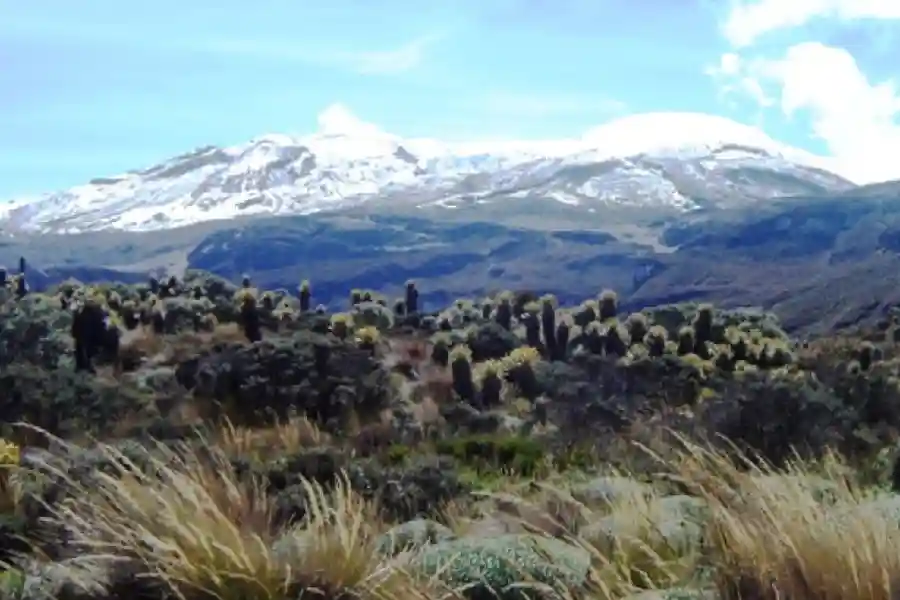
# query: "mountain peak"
(656, 161)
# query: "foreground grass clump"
(805, 532)
(191, 528)
(712, 522)
(196, 529)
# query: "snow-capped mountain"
(678, 161)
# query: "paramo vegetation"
(192, 438)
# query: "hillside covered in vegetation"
(197, 439)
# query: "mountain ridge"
(668, 162)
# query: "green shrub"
(491, 452)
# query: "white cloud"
(857, 119)
(337, 119)
(734, 80)
(749, 20)
(538, 104)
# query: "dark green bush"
(491, 452)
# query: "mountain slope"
(823, 263)
(658, 163)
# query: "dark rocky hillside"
(820, 263)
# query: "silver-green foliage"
(505, 566)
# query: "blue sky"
(98, 87)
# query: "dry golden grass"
(202, 532)
(640, 551)
(283, 437)
(636, 559)
(334, 549)
(195, 527)
(803, 532)
(199, 530)
(806, 532)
